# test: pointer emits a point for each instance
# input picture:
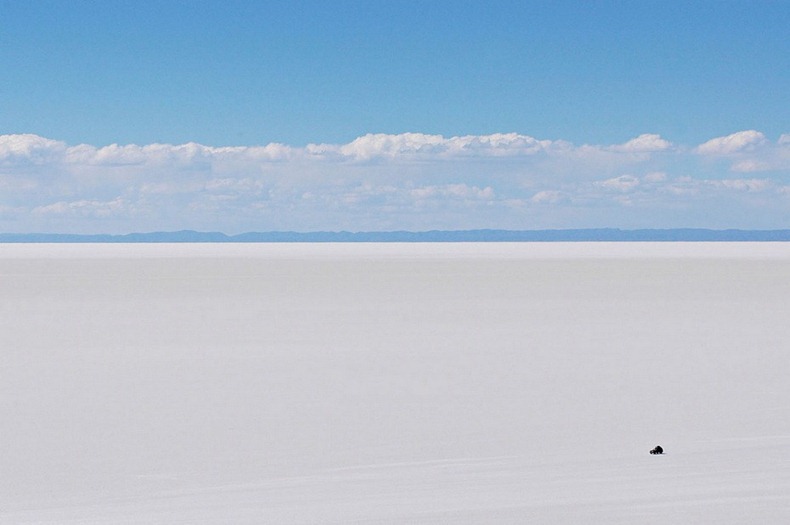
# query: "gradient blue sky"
(582, 79)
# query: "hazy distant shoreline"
(570, 235)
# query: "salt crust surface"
(444, 383)
(499, 250)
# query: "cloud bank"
(409, 181)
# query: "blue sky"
(130, 116)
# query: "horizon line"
(436, 235)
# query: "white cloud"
(381, 145)
(84, 208)
(643, 144)
(27, 147)
(273, 152)
(548, 197)
(749, 152)
(751, 165)
(417, 144)
(184, 155)
(622, 183)
(735, 143)
(409, 180)
(453, 191)
(371, 146)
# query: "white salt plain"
(392, 383)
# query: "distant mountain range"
(583, 235)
